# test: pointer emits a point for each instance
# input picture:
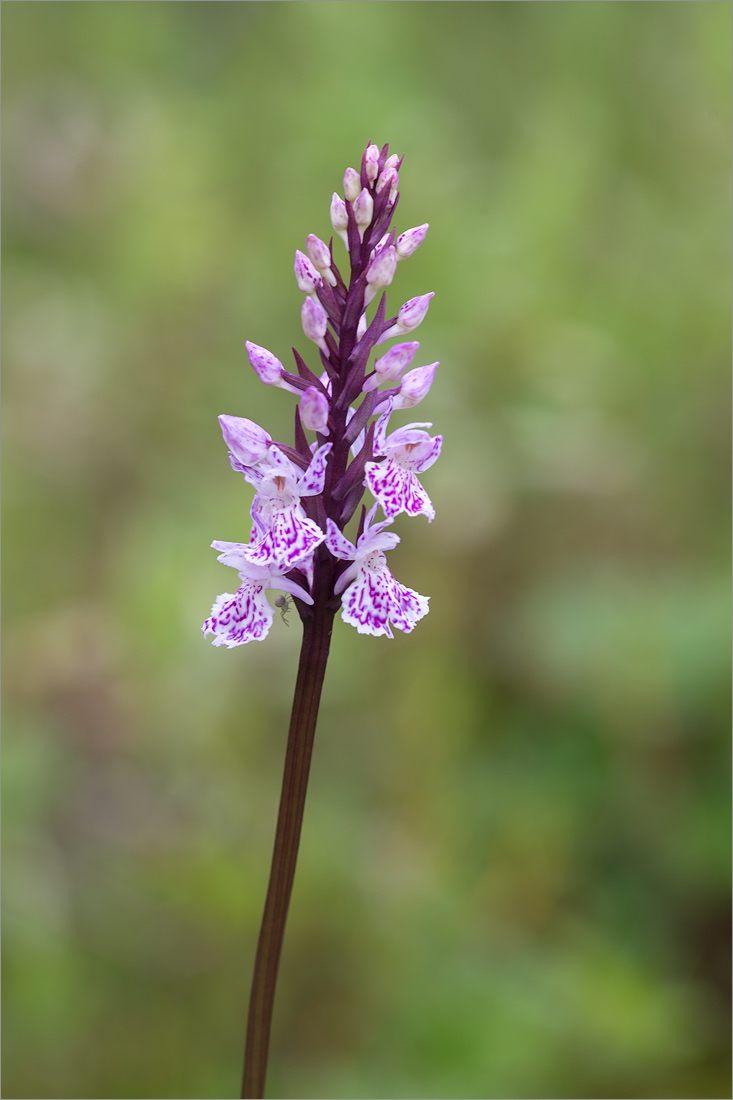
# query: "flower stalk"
(317, 628)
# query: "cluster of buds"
(307, 493)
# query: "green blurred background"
(515, 863)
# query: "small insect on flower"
(284, 603)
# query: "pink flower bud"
(314, 410)
(389, 178)
(413, 312)
(352, 184)
(363, 208)
(382, 268)
(380, 244)
(380, 271)
(410, 240)
(410, 316)
(266, 366)
(415, 385)
(362, 326)
(371, 161)
(320, 256)
(315, 321)
(319, 252)
(391, 366)
(247, 441)
(339, 217)
(392, 161)
(306, 275)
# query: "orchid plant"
(305, 495)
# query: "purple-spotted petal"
(313, 479)
(412, 606)
(338, 544)
(375, 598)
(243, 617)
(366, 603)
(380, 431)
(398, 490)
(289, 538)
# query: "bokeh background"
(514, 875)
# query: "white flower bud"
(371, 161)
(320, 256)
(410, 240)
(415, 385)
(363, 210)
(315, 322)
(306, 276)
(266, 366)
(352, 184)
(247, 441)
(339, 217)
(314, 410)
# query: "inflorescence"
(306, 494)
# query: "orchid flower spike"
(306, 493)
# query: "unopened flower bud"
(362, 326)
(352, 184)
(363, 210)
(380, 271)
(380, 244)
(315, 322)
(339, 217)
(382, 268)
(266, 366)
(371, 161)
(392, 365)
(392, 161)
(389, 178)
(306, 275)
(247, 441)
(415, 385)
(410, 240)
(314, 410)
(320, 256)
(410, 316)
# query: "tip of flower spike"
(371, 162)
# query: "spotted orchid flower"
(283, 535)
(408, 451)
(246, 615)
(373, 599)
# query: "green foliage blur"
(514, 873)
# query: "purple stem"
(317, 629)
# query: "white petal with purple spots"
(375, 599)
(397, 489)
(290, 537)
(243, 617)
(314, 477)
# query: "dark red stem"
(311, 671)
